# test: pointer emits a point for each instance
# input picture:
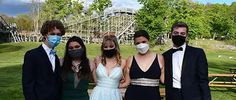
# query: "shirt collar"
(183, 46)
(46, 48)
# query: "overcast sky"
(15, 7)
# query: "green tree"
(220, 21)
(99, 6)
(60, 9)
(24, 23)
(153, 17)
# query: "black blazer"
(194, 75)
(38, 79)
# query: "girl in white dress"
(109, 71)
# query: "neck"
(46, 43)
(111, 59)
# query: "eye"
(183, 33)
(111, 46)
(175, 33)
(144, 41)
(70, 47)
(136, 43)
(52, 34)
(105, 47)
(77, 46)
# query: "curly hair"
(50, 25)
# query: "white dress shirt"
(51, 57)
(177, 61)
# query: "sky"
(228, 2)
(15, 7)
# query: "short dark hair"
(179, 24)
(140, 33)
(50, 25)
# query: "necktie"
(179, 49)
(52, 52)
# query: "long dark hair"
(85, 71)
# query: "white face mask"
(142, 48)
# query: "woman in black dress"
(143, 71)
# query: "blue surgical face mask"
(53, 40)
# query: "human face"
(55, 31)
(74, 46)
(139, 40)
(108, 45)
(53, 38)
(180, 31)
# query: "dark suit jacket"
(194, 75)
(39, 80)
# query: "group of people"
(183, 69)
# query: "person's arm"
(95, 64)
(126, 73)
(28, 79)
(203, 75)
(61, 61)
(162, 66)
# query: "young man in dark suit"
(41, 76)
(186, 68)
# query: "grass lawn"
(11, 58)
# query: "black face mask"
(109, 53)
(76, 53)
(178, 40)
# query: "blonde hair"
(113, 39)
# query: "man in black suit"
(186, 68)
(41, 76)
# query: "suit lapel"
(185, 59)
(171, 67)
(45, 58)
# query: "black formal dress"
(144, 85)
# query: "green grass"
(12, 54)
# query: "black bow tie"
(179, 49)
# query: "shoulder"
(195, 49)
(129, 59)
(167, 52)
(160, 57)
(98, 59)
(33, 52)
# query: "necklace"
(76, 66)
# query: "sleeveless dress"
(71, 91)
(140, 87)
(107, 86)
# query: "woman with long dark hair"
(109, 69)
(76, 70)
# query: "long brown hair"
(113, 39)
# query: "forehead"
(108, 42)
(180, 29)
(73, 43)
(140, 39)
(55, 30)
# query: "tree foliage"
(99, 6)
(60, 9)
(204, 21)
